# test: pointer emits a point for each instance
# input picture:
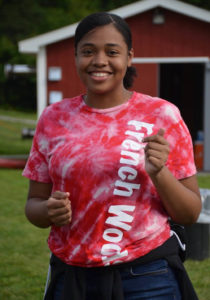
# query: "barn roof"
(33, 44)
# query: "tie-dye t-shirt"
(97, 156)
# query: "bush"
(19, 92)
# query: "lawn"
(23, 250)
(18, 114)
(199, 271)
(11, 141)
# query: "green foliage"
(20, 18)
(109, 4)
(19, 92)
(8, 49)
(200, 3)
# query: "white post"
(207, 119)
(41, 80)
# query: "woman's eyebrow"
(108, 44)
(113, 45)
(87, 44)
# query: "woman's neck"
(107, 100)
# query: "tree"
(200, 3)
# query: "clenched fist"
(59, 208)
(156, 152)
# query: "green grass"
(24, 254)
(18, 114)
(199, 274)
(199, 271)
(204, 181)
(11, 141)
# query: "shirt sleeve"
(181, 157)
(37, 164)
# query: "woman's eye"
(87, 52)
(112, 52)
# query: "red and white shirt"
(97, 156)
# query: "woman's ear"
(130, 57)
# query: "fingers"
(60, 195)
(153, 153)
(59, 208)
(60, 217)
(161, 132)
(156, 151)
(159, 137)
(156, 142)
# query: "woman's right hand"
(44, 208)
(59, 208)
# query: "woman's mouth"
(99, 75)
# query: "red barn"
(171, 41)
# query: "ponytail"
(129, 77)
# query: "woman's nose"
(100, 59)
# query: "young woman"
(107, 171)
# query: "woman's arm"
(43, 209)
(181, 198)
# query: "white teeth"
(99, 74)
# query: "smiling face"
(102, 59)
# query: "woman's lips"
(99, 76)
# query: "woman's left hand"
(180, 198)
(156, 152)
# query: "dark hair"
(103, 18)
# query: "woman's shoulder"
(155, 101)
(157, 107)
(63, 106)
